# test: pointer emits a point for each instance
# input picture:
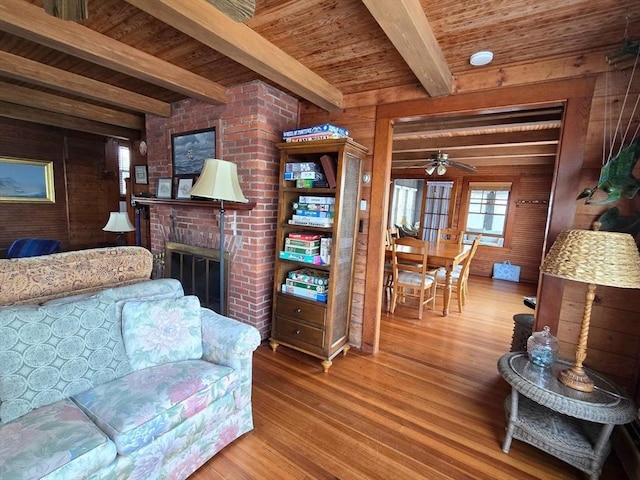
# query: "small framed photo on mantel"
(184, 185)
(165, 185)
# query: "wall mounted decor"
(23, 180)
(184, 186)
(165, 186)
(190, 149)
(141, 175)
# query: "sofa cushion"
(150, 289)
(52, 352)
(57, 441)
(135, 409)
(162, 331)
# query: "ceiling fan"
(439, 163)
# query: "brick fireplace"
(247, 129)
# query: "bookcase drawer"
(300, 334)
(299, 309)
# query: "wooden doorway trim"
(575, 95)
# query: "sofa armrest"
(224, 340)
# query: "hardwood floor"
(428, 406)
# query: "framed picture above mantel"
(190, 149)
(25, 180)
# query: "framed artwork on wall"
(23, 181)
(165, 185)
(184, 185)
(141, 175)
(190, 149)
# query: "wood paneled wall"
(85, 182)
(605, 349)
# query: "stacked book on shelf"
(313, 211)
(307, 248)
(305, 174)
(307, 283)
(317, 132)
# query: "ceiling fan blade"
(462, 166)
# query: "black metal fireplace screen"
(198, 269)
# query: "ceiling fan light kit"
(481, 58)
(439, 163)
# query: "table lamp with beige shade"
(596, 258)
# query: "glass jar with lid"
(542, 348)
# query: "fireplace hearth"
(198, 269)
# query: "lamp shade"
(597, 257)
(219, 180)
(118, 222)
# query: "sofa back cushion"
(51, 352)
(162, 331)
(34, 280)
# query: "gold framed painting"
(24, 181)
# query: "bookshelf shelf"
(313, 320)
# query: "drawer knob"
(298, 310)
(297, 332)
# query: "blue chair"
(32, 247)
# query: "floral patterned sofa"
(132, 381)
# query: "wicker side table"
(571, 425)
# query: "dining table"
(446, 255)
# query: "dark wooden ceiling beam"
(76, 108)
(488, 130)
(406, 25)
(208, 25)
(504, 120)
(475, 152)
(500, 138)
(23, 69)
(521, 159)
(28, 114)
(28, 21)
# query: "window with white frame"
(405, 208)
(124, 167)
(487, 212)
(436, 209)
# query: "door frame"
(575, 95)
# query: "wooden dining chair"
(449, 235)
(390, 235)
(459, 276)
(411, 276)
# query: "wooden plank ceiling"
(135, 57)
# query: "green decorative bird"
(616, 178)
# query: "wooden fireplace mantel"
(174, 202)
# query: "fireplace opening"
(198, 269)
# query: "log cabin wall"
(614, 346)
(530, 196)
(85, 183)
